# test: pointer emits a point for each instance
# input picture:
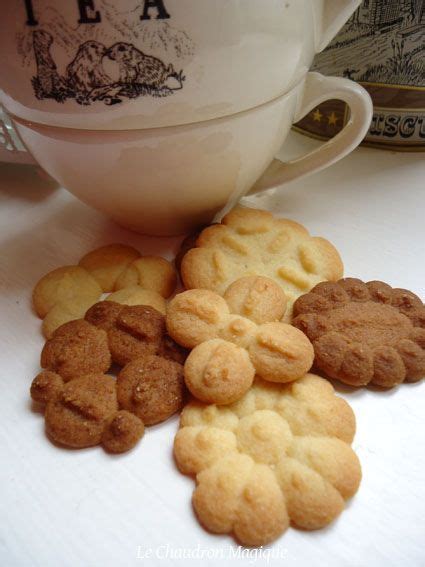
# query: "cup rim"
(41, 127)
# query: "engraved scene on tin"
(395, 56)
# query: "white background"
(84, 508)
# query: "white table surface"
(84, 508)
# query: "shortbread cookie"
(107, 263)
(364, 332)
(63, 312)
(149, 272)
(76, 349)
(281, 454)
(278, 352)
(64, 285)
(258, 298)
(253, 242)
(218, 372)
(136, 295)
(84, 412)
(152, 388)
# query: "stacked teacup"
(161, 112)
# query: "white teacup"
(131, 64)
(166, 181)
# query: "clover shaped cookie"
(253, 242)
(364, 332)
(281, 454)
(229, 349)
(84, 412)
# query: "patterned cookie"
(136, 295)
(149, 272)
(84, 412)
(228, 350)
(66, 285)
(134, 331)
(281, 454)
(76, 349)
(364, 332)
(107, 263)
(218, 372)
(253, 242)
(152, 388)
(258, 298)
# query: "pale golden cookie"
(253, 242)
(218, 372)
(63, 312)
(136, 295)
(149, 272)
(64, 285)
(281, 454)
(107, 263)
(258, 298)
(278, 352)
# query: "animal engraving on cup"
(86, 80)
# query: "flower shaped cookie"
(253, 242)
(364, 332)
(281, 454)
(84, 412)
(229, 349)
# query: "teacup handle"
(319, 88)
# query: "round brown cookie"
(107, 263)
(364, 332)
(138, 331)
(76, 349)
(152, 388)
(123, 432)
(78, 415)
(66, 284)
(103, 314)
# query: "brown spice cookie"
(103, 314)
(134, 331)
(138, 331)
(77, 348)
(152, 388)
(123, 432)
(84, 412)
(364, 332)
